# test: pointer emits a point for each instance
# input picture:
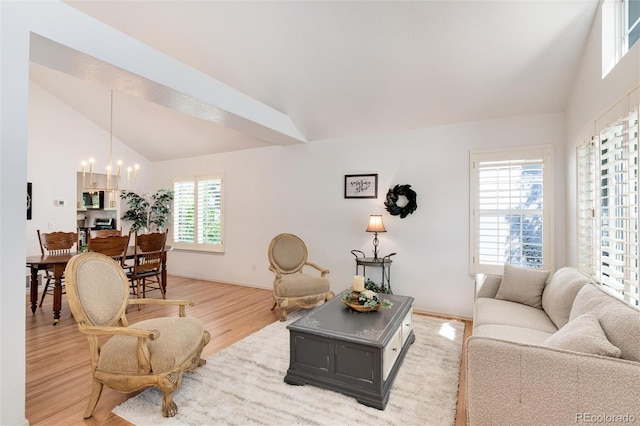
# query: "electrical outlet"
(253, 266)
(49, 225)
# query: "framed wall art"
(29, 204)
(361, 186)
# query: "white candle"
(358, 283)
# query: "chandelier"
(113, 181)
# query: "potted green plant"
(148, 212)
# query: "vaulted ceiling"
(340, 68)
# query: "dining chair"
(53, 243)
(291, 286)
(153, 352)
(147, 265)
(105, 232)
(114, 246)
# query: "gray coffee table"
(357, 354)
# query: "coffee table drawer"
(390, 353)
(407, 326)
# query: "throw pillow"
(522, 285)
(560, 292)
(583, 334)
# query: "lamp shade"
(375, 224)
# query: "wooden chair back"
(106, 232)
(114, 246)
(57, 242)
(149, 249)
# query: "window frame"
(514, 154)
(615, 33)
(612, 202)
(195, 246)
(626, 30)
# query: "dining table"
(57, 264)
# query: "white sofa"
(551, 350)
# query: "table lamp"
(375, 226)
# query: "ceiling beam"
(134, 68)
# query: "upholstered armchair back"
(287, 253)
(99, 290)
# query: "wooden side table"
(381, 262)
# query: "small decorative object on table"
(365, 301)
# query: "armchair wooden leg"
(283, 314)
(282, 303)
(167, 386)
(96, 391)
(169, 408)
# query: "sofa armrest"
(510, 383)
(487, 285)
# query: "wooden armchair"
(287, 257)
(153, 352)
(55, 243)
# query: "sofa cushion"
(583, 334)
(512, 334)
(559, 293)
(522, 285)
(619, 320)
(493, 311)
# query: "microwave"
(93, 200)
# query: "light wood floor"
(58, 380)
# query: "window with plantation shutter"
(197, 214)
(608, 182)
(586, 208)
(511, 205)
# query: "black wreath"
(392, 200)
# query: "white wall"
(299, 189)
(60, 138)
(591, 97)
(58, 22)
(13, 173)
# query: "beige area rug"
(243, 385)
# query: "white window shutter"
(511, 205)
